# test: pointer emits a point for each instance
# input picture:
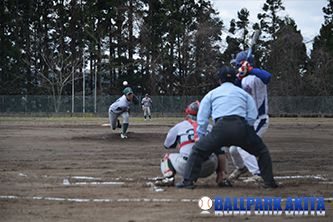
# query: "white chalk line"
(99, 200)
(66, 181)
(118, 200)
(318, 177)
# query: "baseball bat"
(253, 43)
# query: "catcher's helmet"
(191, 111)
(242, 57)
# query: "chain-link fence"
(167, 106)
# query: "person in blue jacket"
(234, 112)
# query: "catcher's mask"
(191, 111)
(240, 58)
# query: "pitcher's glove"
(135, 100)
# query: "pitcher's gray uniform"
(121, 107)
(146, 102)
(117, 109)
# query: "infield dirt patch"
(81, 171)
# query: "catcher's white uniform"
(183, 133)
(256, 85)
(121, 108)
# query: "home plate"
(106, 124)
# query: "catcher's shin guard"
(167, 167)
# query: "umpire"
(233, 111)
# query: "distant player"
(183, 134)
(121, 107)
(254, 81)
(146, 103)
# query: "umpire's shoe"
(185, 184)
(271, 186)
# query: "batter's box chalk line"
(153, 187)
(66, 181)
(318, 177)
(78, 200)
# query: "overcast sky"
(307, 14)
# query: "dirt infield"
(54, 170)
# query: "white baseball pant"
(208, 167)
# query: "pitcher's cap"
(128, 90)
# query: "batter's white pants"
(114, 116)
(208, 167)
(240, 157)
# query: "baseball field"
(75, 169)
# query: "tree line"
(161, 47)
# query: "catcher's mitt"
(225, 183)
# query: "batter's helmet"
(191, 111)
(242, 57)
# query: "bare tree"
(61, 70)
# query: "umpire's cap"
(227, 74)
(128, 90)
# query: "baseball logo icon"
(205, 203)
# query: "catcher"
(184, 134)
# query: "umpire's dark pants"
(230, 130)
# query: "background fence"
(166, 106)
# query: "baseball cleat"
(123, 136)
(254, 178)
(237, 173)
(185, 184)
(168, 181)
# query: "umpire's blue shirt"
(225, 100)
